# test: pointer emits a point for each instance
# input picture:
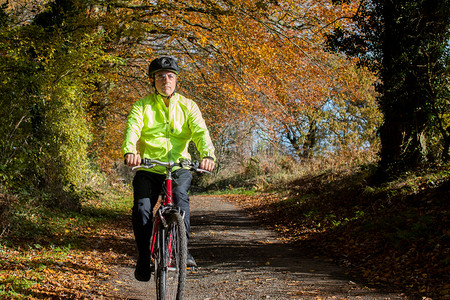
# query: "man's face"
(165, 82)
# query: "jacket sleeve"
(200, 133)
(134, 125)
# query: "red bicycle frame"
(167, 200)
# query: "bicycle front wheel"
(171, 273)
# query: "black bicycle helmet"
(163, 63)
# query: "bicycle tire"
(158, 259)
(171, 267)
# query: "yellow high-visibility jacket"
(164, 132)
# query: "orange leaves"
(261, 62)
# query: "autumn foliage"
(261, 65)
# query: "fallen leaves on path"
(394, 236)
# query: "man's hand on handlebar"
(207, 164)
(133, 160)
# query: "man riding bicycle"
(163, 123)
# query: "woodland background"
(289, 89)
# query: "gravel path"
(239, 259)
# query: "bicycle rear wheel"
(171, 270)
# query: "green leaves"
(50, 66)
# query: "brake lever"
(201, 170)
(143, 167)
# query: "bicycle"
(168, 246)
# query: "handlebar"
(150, 163)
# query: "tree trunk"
(310, 140)
(406, 93)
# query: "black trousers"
(147, 188)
